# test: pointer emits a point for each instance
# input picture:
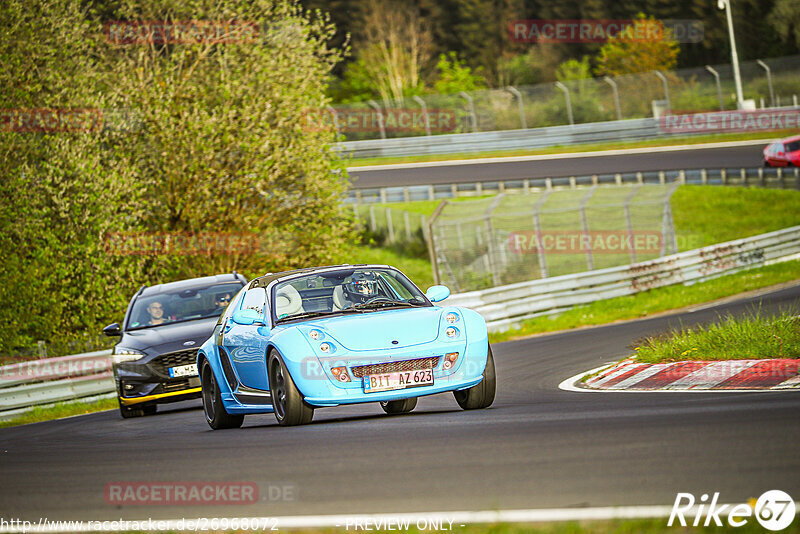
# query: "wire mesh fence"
(579, 101)
(505, 239)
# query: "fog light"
(451, 332)
(451, 318)
(315, 335)
(128, 387)
(325, 347)
(450, 360)
(340, 373)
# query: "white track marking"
(712, 374)
(565, 155)
(638, 377)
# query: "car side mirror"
(112, 330)
(247, 317)
(437, 293)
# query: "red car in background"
(783, 153)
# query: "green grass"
(560, 149)
(655, 301)
(752, 337)
(60, 410)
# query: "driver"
(221, 300)
(362, 287)
(156, 312)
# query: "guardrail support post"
(513, 90)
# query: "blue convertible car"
(294, 341)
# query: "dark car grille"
(394, 367)
(179, 385)
(161, 364)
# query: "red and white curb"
(728, 375)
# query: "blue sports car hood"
(378, 329)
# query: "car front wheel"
(482, 394)
(287, 401)
(216, 416)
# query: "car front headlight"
(122, 354)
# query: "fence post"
(565, 89)
(666, 88)
(408, 225)
(377, 108)
(432, 241)
(471, 105)
(585, 229)
(769, 81)
(614, 89)
(421, 103)
(667, 225)
(537, 227)
(513, 90)
(629, 221)
(490, 248)
(719, 87)
(389, 225)
(372, 224)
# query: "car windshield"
(181, 305)
(344, 291)
(794, 146)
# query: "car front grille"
(395, 367)
(179, 385)
(161, 364)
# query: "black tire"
(399, 406)
(216, 416)
(150, 409)
(129, 412)
(766, 164)
(481, 395)
(287, 401)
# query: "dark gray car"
(155, 359)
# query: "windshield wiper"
(308, 315)
(385, 303)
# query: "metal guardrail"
(39, 382)
(594, 132)
(506, 306)
(753, 176)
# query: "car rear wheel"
(216, 416)
(481, 395)
(399, 406)
(287, 401)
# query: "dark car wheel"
(129, 412)
(290, 408)
(216, 416)
(482, 394)
(399, 406)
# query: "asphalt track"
(536, 447)
(709, 158)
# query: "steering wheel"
(376, 298)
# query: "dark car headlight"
(123, 354)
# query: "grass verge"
(655, 301)
(61, 410)
(752, 337)
(571, 149)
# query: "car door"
(247, 344)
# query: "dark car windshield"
(794, 146)
(181, 305)
(344, 291)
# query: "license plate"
(401, 380)
(183, 370)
